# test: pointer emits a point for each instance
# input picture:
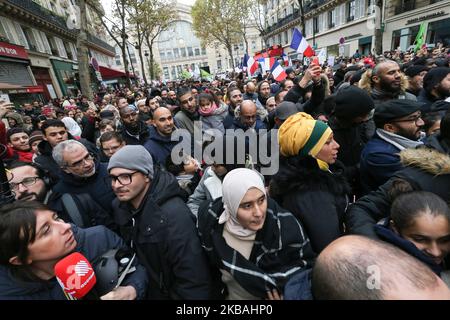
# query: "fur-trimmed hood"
(426, 159)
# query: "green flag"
(186, 74)
(204, 74)
(420, 39)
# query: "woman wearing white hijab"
(256, 245)
(72, 126)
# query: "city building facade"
(45, 66)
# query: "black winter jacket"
(316, 197)
(91, 243)
(162, 231)
(425, 169)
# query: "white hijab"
(235, 185)
(72, 126)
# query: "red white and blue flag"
(251, 64)
(300, 45)
(278, 72)
(286, 60)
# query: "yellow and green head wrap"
(301, 135)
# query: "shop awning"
(13, 88)
(109, 73)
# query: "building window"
(351, 10)
(280, 41)
(179, 69)
(404, 38)
(176, 53)
(284, 13)
(219, 64)
(30, 38)
(169, 55)
(183, 52)
(68, 51)
(174, 72)
(197, 51)
(316, 25)
(331, 19)
(166, 72)
(190, 52)
(162, 54)
(286, 39)
(253, 45)
(203, 51)
(53, 47)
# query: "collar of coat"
(426, 159)
(280, 250)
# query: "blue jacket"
(385, 233)
(159, 146)
(91, 243)
(379, 162)
(98, 186)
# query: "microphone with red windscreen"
(75, 275)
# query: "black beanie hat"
(440, 105)
(394, 109)
(352, 102)
(433, 77)
(414, 70)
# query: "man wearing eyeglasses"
(82, 172)
(29, 182)
(399, 126)
(156, 222)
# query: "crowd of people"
(363, 180)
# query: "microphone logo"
(82, 268)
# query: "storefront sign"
(427, 17)
(353, 36)
(10, 50)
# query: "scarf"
(397, 141)
(280, 250)
(209, 111)
(235, 185)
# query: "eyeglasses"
(79, 163)
(415, 119)
(27, 182)
(124, 178)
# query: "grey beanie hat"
(132, 157)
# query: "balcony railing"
(58, 21)
(283, 21)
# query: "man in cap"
(156, 222)
(415, 75)
(352, 128)
(284, 111)
(399, 126)
(436, 86)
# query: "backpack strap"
(72, 209)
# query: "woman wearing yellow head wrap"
(307, 183)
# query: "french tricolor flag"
(251, 64)
(278, 72)
(300, 45)
(286, 60)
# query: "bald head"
(359, 268)
(250, 87)
(248, 113)
(381, 67)
(163, 121)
